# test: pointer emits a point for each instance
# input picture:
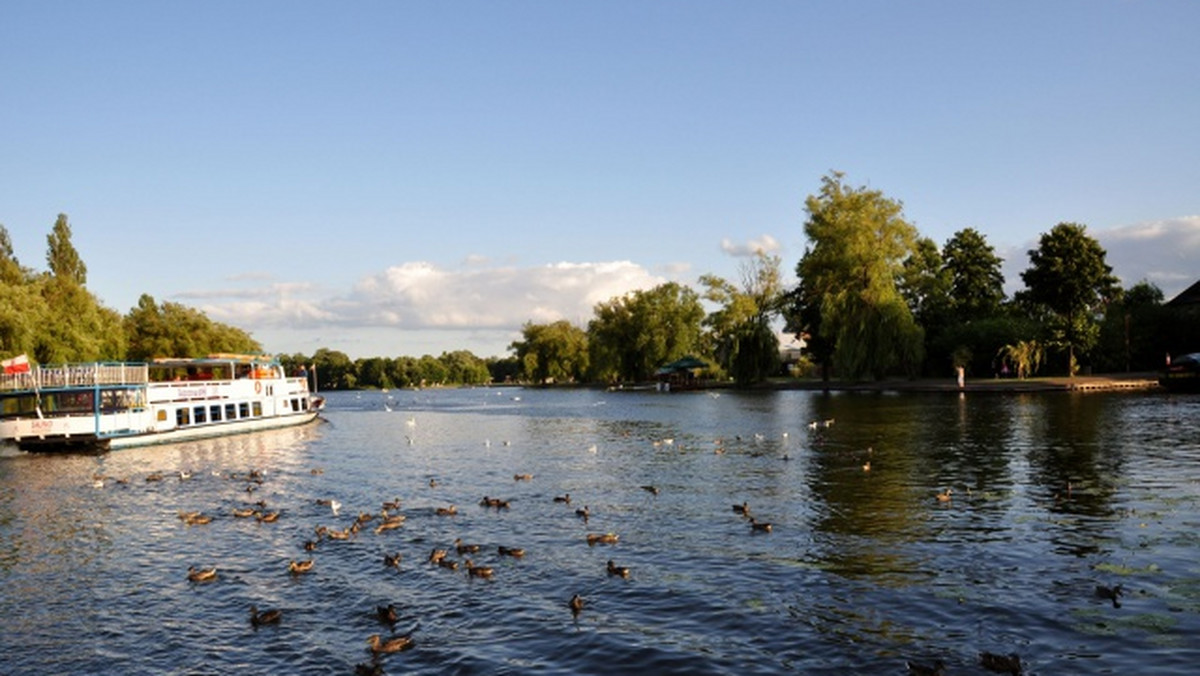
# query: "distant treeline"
(874, 299)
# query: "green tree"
(632, 335)
(1069, 276)
(335, 370)
(373, 372)
(1132, 331)
(744, 342)
(464, 368)
(431, 371)
(848, 296)
(176, 330)
(925, 286)
(11, 272)
(975, 277)
(63, 259)
(555, 352)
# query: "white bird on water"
(335, 506)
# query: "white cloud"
(765, 244)
(1165, 253)
(422, 296)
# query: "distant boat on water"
(111, 405)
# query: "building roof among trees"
(1189, 296)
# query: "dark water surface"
(1052, 495)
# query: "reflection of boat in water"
(1182, 374)
(109, 405)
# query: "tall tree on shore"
(632, 335)
(555, 352)
(1069, 276)
(848, 295)
(745, 343)
(175, 330)
(61, 255)
(976, 280)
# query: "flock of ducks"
(389, 518)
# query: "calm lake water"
(1052, 495)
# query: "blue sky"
(389, 178)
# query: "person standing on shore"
(961, 375)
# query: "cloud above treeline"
(1165, 253)
(421, 295)
(480, 296)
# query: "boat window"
(18, 405)
(182, 417)
(230, 412)
(214, 413)
(257, 406)
(162, 415)
(121, 400)
(68, 402)
(243, 410)
(199, 414)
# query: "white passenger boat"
(107, 405)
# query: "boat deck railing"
(75, 375)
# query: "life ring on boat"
(258, 387)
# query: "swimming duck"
(387, 614)
(1113, 594)
(343, 534)
(743, 509)
(156, 476)
(392, 645)
(392, 560)
(185, 516)
(653, 490)
(515, 552)
(464, 548)
(583, 513)
(198, 520)
(447, 511)
(602, 538)
(575, 604)
(619, 571)
(265, 617)
(390, 523)
(269, 517)
(298, 567)
(522, 477)
(202, 574)
(391, 505)
(244, 513)
(437, 555)
(310, 545)
(566, 498)
(759, 526)
(477, 571)
(1010, 663)
(944, 496)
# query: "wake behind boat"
(111, 405)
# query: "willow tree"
(632, 335)
(745, 343)
(848, 295)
